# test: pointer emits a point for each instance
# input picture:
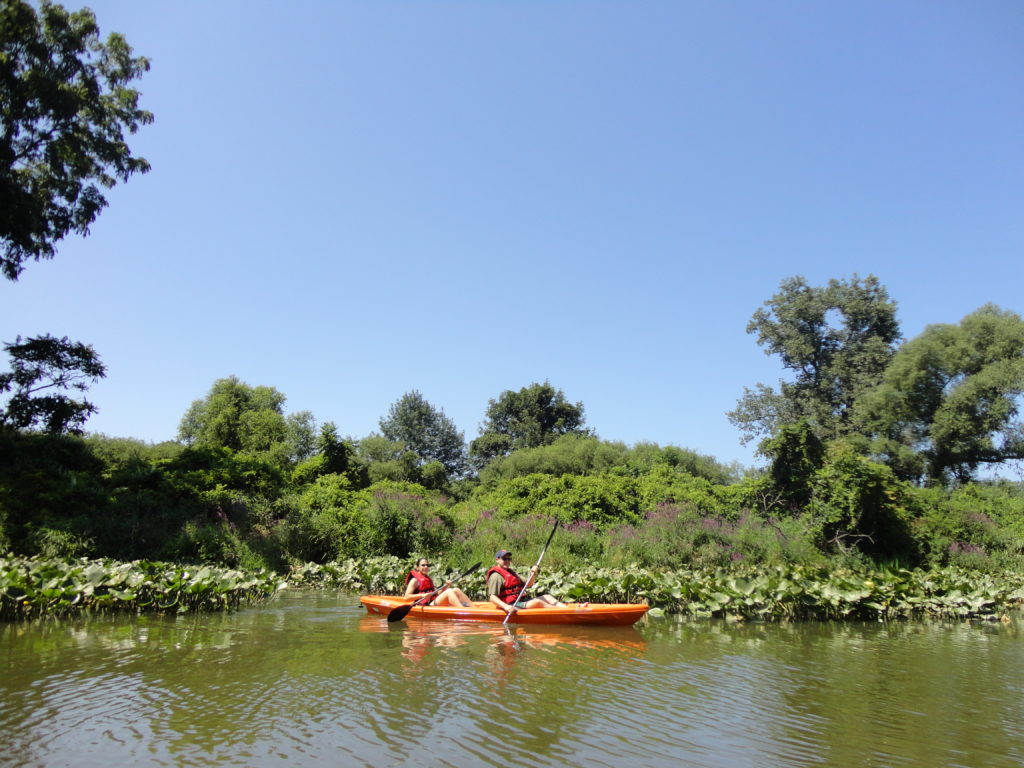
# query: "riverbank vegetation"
(49, 587)
(738, 592)
(873, 456)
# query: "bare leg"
(453, 596)
(544, 601)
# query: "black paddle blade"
(403, 610)
(400, 612)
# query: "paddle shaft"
(527, 582)
(401, 611)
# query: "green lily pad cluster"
(31, 587)
(767, 593)
(799, 592)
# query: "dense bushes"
(655, 508)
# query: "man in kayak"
(504, 586)
(418, 582)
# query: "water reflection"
(313, 680)
(503, 646)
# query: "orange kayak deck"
(592, 614)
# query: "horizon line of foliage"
(646, 506)
(251, 486)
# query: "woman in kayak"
(418, 582)
(505, 585)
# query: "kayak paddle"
(402, 611)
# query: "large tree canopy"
(65, 105)
(43, 368)
(535, 415)
(250, 419)
(426, 431)
(950, 400)
(836, 341)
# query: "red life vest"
(423, 582)
(511, 588)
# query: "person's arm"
(497, 602)
(410, 588)
(531, 579)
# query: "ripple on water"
(330, 686)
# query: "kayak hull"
(592, 614)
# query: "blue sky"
(352, 200)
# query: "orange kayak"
(592, 614)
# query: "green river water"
(309, 679)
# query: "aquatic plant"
(31, 587)
(798, 591)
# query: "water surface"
(309, 679)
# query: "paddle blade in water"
(400, 612)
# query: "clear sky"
(352, 200)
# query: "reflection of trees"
(934, 690)
(202, 681)
(915, 693)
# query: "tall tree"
(950, 400)
(65, 106)
(43, 368)
(836, 341)
(426, 431)
(535, 415)
(236, 416)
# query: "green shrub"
(859, 505)
(55, 543)
(404, 518)
(971, 526)
(677, 535)
(330, 521)
(603, 501)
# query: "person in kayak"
(417, 582)
(504, 585)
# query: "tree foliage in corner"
(65, 106)
(836, 341)
(950, 400)
(43, 368)
(535, 415)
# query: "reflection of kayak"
(593, 614)
(443, 632)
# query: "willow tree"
(835, 341)
(250, 420)
(949, 403)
